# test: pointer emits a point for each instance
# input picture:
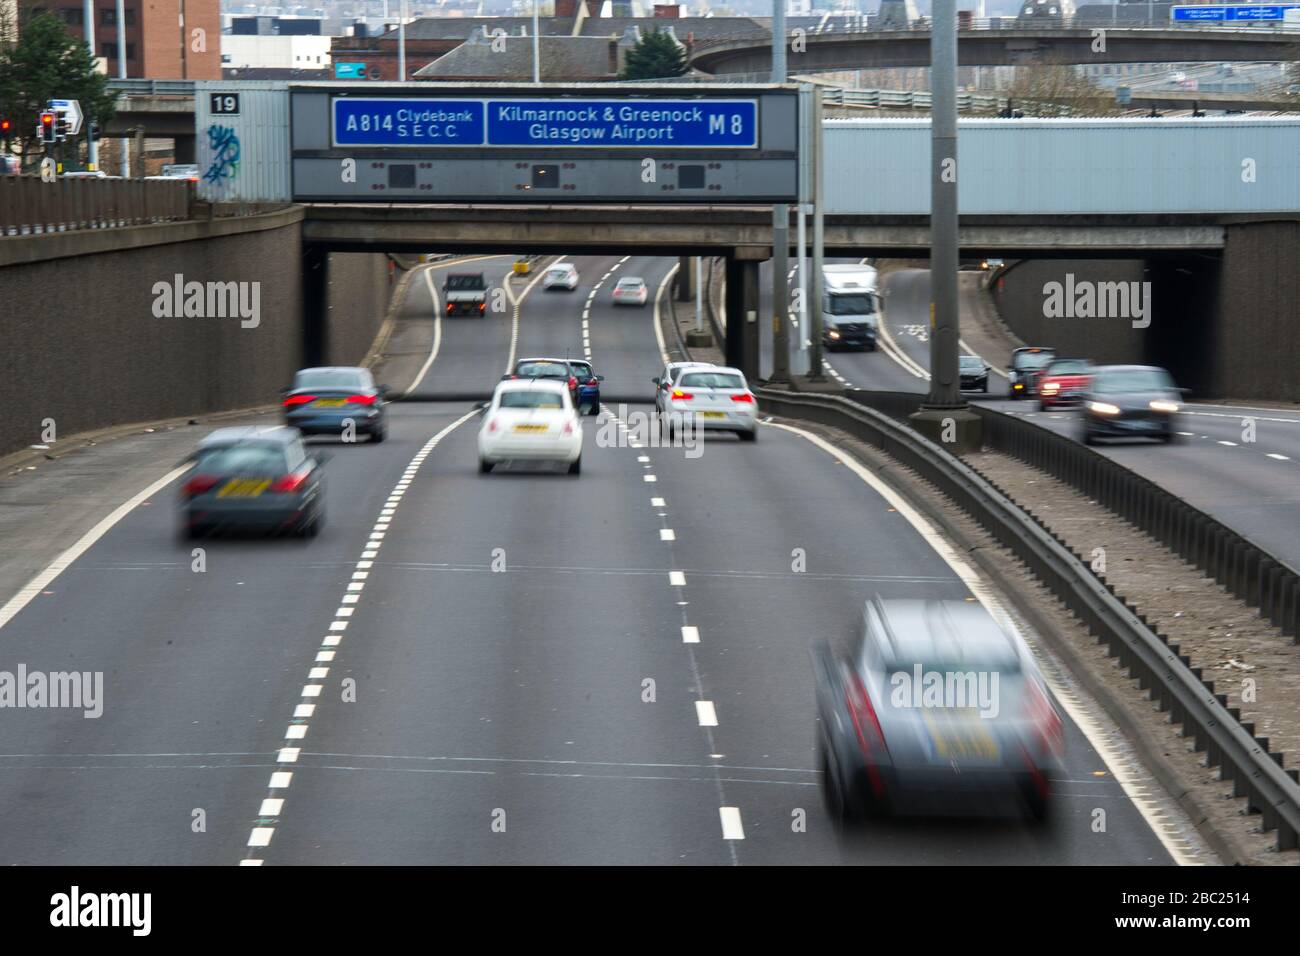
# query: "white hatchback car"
(562, 275)
(631, 291)
(714, 398)
(664, 381)
(530, 420)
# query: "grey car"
(1130, 401)
(935, 709)
(322, 401)
(261, 479)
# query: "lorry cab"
(850, 307)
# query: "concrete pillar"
(750, 357)
(685, 278)
(742, 315)
(315, 305)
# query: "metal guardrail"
(1148, 656)
(31, 206)
(908, 100)
(1258, 578)
(153, 87)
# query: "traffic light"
(65, 126)
(49, 127)
(6, 131)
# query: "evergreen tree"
(656, 56)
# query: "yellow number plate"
(329, 402)
(244, 487)
(713, 414)
(530, 428)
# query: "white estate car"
(713, 398)
(631, 291)
(530, 420)
(562, 275)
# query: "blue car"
(588, 386)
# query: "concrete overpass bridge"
(1021, 46)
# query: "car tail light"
(594, 382)
(1046, 721)
(492, 424)
(746, 397)
(290, 483)
(573, 382)
(482, 306)
(199, 484)
(568, 428)
(868, 729)
(450, 306)
(361, 399)
(678, 393)
(293, 400)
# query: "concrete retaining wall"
(92, 345)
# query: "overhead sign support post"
(780, 230)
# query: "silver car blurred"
(936, 710)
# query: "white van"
(850, 307)
(562, 275)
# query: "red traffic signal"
(49, 127)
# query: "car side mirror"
(600, 378)
(656, 381)
(321, 458)
(384, 390)
(1185, 392)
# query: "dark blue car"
(323, 401)
(588, 385)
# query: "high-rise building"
(165, 39)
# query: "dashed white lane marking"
(269, 812)
(690, 634)
(667, 534)
(1277, 456)
(657, 503)
(1117, 766)
(706, 713)
(1230, 444)
(732, 828)
(649, 478)
(677, 579)
(60, 564)
(1258, 418)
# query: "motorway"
(1249, 485)
(523, 667)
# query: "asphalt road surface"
(489, 669)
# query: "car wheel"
(575, 468)
(1043, 406)
(1088, 437)
(1036, 801)
(380, 435)
(312, 527)
(985, 389)
(748, 436)
(192, 532)
(595, 408)
(832, 796)
(484, 466)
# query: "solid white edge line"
(516, 306)
(732, 827)
(659, 332)
(437, 331)
(83, 544)
(977, 587)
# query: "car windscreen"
(1069, 367)
(630, 283)
(711, 380)
(542, 370)
(332, 378)
(246, 459)
(531, 400)
(971, 363)
(465, 284)
(1122, 381)
(558, 273)
(581, 370)
(1033, 359)
(859, 303)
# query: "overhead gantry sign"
(681, 144)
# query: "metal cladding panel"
(555, 143)
(1070, 166)
(243, 156)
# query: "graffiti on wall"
(222, 158)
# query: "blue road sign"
(627, 124)
(1233, 12)
(349, 71)
(361, 121)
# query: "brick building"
(165, 39)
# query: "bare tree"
(1059, 89)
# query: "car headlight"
(1051, 388)
(833, 334)
(1161, 406)
(1103, 408)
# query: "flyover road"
(503, 670)
(1250, 485)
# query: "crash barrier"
(1176, 686)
